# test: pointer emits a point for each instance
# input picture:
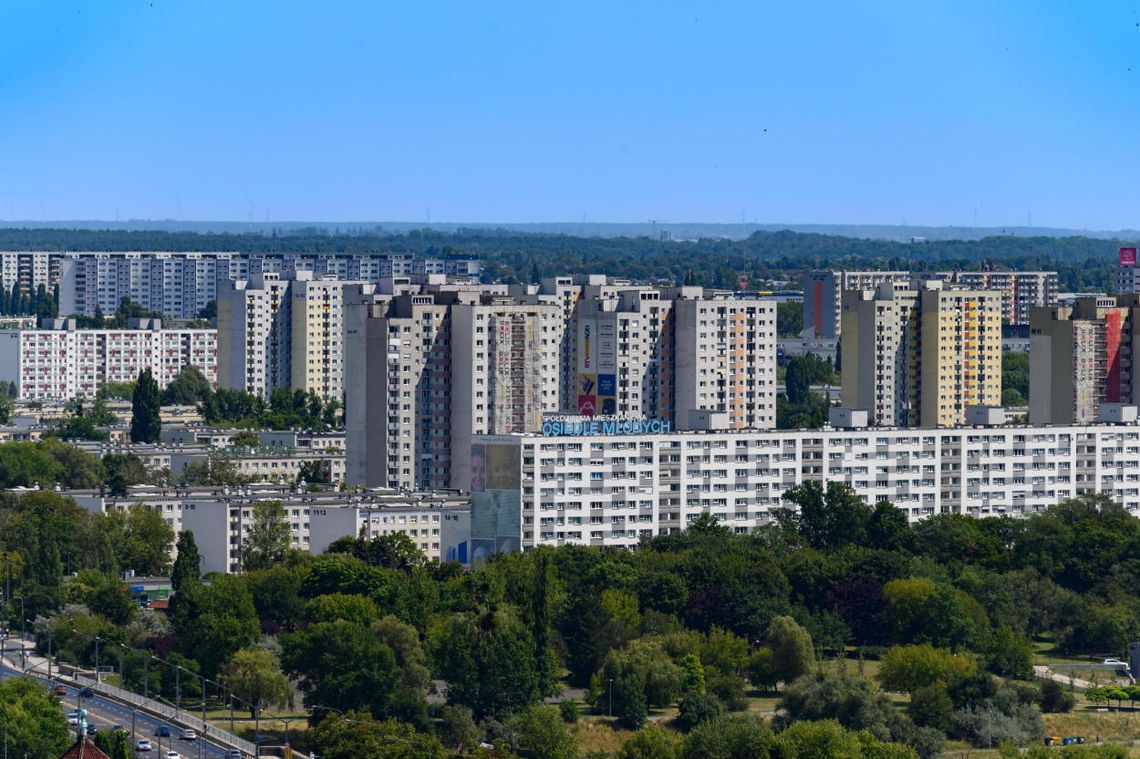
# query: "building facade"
(1080, 357)
(920, 354)
(276, 332)
(1020, 292)
(59, 361)
(612, 490)
(437, 523)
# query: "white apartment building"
(504, 371)
(28, 270)
(255, 334)
(438, 523)
(1020, 292)
(611, 490)
(724, 359)
(59, 361)
(178, 285)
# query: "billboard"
(1128, 256)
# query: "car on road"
(92, 728)
(87, 693)
(188, 734)
(172, 755)
(162, 731)
(233, 753)
(1115, 662)
(143, 744)
(73, 718)
(59, 690)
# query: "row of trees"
(695, 620)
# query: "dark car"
(87, 693)
(92, 728)
(163, 731)
(59, 690)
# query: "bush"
(1054, 698)
(741, 737)
(697, 707)
(987, 725)
(650, 742)
(931, 706)
(630, 706)
(729, 688)
(569, 710)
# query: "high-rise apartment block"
(1081, 357)
(1020, 291)
(180, 284)
(920, 354)
(282, 333)
(57, 361)
(433, 368)
(177, 285)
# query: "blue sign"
(606, 427)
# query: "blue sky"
(524, 111)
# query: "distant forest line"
(1082, 263)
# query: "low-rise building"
(438, 523)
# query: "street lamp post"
(23, 650)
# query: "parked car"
(143, 744)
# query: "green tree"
(146, 420)
(744, 737)
(114, 743)
(255, 676)
(907, 668)
(343, 665)
(823, 739)
(931, 706)
(487, 660)
(695, 708)
(268, 539)
(457, 729)
(188, 388)
(762, 669)
(650, 742)
(540, 733)
(789, 319)
(188, 564)
(123, 470)
(215, 620)
(148, 541)
(31, 722)
(246, 438)
(792, 651)
(357, 734)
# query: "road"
(104, 713)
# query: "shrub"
(697, 707)
(1054, 698)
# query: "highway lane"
(104, 713)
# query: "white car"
(172, 755)
(1115, 662)
(73, 718)
(188, 734)
(143, 744)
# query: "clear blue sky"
(524, 111)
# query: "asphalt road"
(105, 713)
